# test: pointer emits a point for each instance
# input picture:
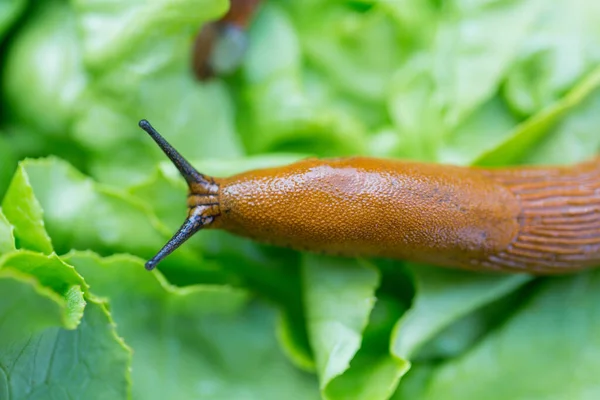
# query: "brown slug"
(541, 220)
(220, 46)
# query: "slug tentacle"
(203, 197)
(191, 225)
(189, 173)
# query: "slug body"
(537, 220)
(371, 207)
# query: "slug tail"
(560, 218)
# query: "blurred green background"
(87, 198)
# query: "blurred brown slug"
(541, 220)
(220, 46)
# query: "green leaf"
(79, 213)
(477, 81)
(27, 306)
(574, 139)
(201, 340)
(484, 129)
(461, 69)
(54, 275)
(559, 51)
(49, 346)
(293, 338)
(25, 213)
(339, 296)
(148, 56)
(89, 362)
(473, 50)
(443, 297)
(268, 54)
(415, 19)
(554, 332)
(414, 111)
(198, 120)
(369, 377)
(414, 383)
(356, 50)
(284, 109)
(9, 11)
(526, 135)
(8, 163)
(145, 31)
(49, 270)
(44, 94)
(7, 237)
(107, 51)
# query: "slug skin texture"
(559, 218)
(542, 220)
(370, 207)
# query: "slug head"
(203, 197)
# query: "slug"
(220, 46)
(541, 220)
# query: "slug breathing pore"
(203, 197)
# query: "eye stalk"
(202, 211)
(189, 173)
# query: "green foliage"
(467, 82)
(9, 11)
(565, 328)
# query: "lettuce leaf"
(444, 297)
(54, 290)
(200, 340)
(84, 89)
(560, 49)
(58, 80)
(562, 316)
(339, 296)
(7, 237)
(446, 80)
(286, 110)
(57, 338)
(466, 82)
(526, 135)
(90, 362)
(9, 11)
(49, 198)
